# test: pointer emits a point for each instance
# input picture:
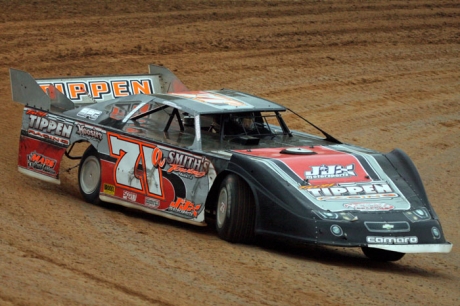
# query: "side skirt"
(39, 176)
(116, 201)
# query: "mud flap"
(40, 159)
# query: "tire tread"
(239, 228)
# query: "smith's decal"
(186, 165)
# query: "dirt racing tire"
(89, 176)
(235, 213)
(382, 255)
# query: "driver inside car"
(243, 123)
(247, 123)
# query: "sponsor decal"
(392, 240)
(330, 171)
(375, 190)
(48, 127)
(187, 166)
(89, 113)
(41, 162)
(77, 89)
(35, 113)
(305, 187)
(128, 195)
(369, 206)
(50, 137)
(152, 203)
(90, 132)
(185, 207)
(109, 189)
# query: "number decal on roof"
(213, 99)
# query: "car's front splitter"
(415, 248)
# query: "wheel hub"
(90, 175)
(222, 205)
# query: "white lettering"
(358, 191)
(338, 190)
(32, 120)
(43, 124)
(382, 188)
(354, 190)
(330, 171)
(52, 125)
(392, 240)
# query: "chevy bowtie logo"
(387, 226)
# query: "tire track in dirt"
(135, 296)
(138, 240)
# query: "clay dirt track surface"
(379, 74)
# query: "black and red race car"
(223, 156)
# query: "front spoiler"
(418, 248)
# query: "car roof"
(216, 101)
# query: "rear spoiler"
(69, 92)
(25, 90)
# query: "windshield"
(238, 124)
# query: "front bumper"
(415, 237)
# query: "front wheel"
(382, 255)
(235, 211)
(89, 176)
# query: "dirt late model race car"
(223, 157)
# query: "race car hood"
(339, 177)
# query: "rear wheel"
(235, 211)
(382, 255)
(89, 176)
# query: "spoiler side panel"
(171, 82)
(25, 90)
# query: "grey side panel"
(171, 82)
(25, 90)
